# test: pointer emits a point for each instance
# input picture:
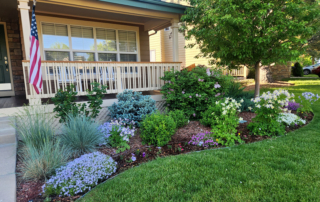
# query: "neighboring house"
(106, 41)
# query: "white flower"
(241, 101)
(240, 119)
(250, 108)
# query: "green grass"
(284, 168)
(311, 75)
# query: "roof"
(157, 5)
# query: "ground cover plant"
(252, 172)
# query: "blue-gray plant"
(81, 134)
(80, 175)
(132, 106)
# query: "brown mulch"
(27, 190)
(277, 84)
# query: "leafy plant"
(116, 134)
(222, 116)
(40, 162)
(306, 101)
(65, 105)
(268, 108)
(80, 175)
(80, 134)
(193, 91)
(297, 70)
(157, 129)
(179, 117)
(34, 125)
(132, 106)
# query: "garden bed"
(31, 190)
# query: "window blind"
(81, 32)
(54, 29)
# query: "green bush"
(297, 70)
(179, 117)
(222, 117)
(252, 73)
(193, 91)
(34, 125)
(236, 92)
(157, 129)
(64, 102)
(81, 135)
(40, 162)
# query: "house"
(82, 42)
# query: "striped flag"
(35, 74)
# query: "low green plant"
(80, 134)
(65, 105)
(297, 70)
(306, 101)
(117, 139)
(34, 125)
(222, 116)
(169, 146)
(179, 117)
(40, 162)
(268, 108)
(157, 129)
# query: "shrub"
(40, 162)
(34, 125)
(203, 139)
(235, 90)
(293, 106)
(80, 175)
(65, 105)
(117, 133)
(132, 106)
(252, 73)
(297, 70)
(222, 116)
(193, 91)
(290, 119)
(268, 108)
(157, 129)
(306, 101)
(179, 117)
(80, 134)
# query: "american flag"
(35, 74)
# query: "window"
(78, 43)
(167, 29)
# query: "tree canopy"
(251, 32)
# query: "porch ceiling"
(109, 12)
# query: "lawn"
(279, 169)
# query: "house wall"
(155, 44)
(15, 49)
(144, 45)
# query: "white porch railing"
(241, 72)
(136, 76)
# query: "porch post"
(175, 42)
(25, 22)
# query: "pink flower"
(183, 92)
(217, 85)
(194, 115)
(197, 95)
(190, 96)
(217, 94)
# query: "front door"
(5, 79)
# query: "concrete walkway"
(8, 151)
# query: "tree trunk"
(257, 80)
(312, 60)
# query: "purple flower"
(218, 94)
(169, 81)
(202, 80)
(208, 72)
(133, 158)
(217, 85)
(293, 106)
(199, 79)
(190, 96)
(183, 92)
(194, 115)
(171, 89)
(143, 154)
(197, 95)
(169, 92)
(203, 139)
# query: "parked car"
(308, 69)
(316, 71)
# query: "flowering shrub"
(222, 116)
(203, 139)
(132, 106)
(293, 106)
(117, 133)
(179, 117)
(80, 175)
(306, 100)
(193, 91)
(290, 119)
(157, 129)
(268, 108)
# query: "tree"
(314, 46)
(250, 32)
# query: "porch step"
(7, 132)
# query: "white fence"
(136, 76)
